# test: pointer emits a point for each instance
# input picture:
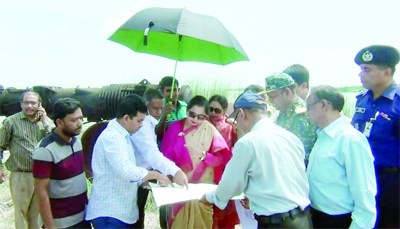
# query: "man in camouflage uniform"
(281, 91)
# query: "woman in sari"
(218, 106)
(217, 114)
(197, 147)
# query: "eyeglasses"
(199, 116)
(234, 121)
(26, 103)
(308, 106)
(215, 110)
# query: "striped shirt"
(115, 176)
(62, 162)
(20, 136)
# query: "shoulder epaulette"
(362, 93)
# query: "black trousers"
(323, 220)
(388, 197)
(301, 220)
(142, 195)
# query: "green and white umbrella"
(180, 35)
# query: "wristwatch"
(203, 156)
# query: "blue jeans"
(109, 223)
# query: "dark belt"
(388, 169)
(278, 218)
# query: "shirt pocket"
(325, 168)
(388, 124)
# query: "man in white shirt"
(268, 167)
(341, 168)
(147, 153)
(113, 200)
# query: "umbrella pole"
(173, 81)
(176, 64)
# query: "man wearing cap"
(268, 167)
(377, 117)
(280, 88)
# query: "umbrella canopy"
(180, 35)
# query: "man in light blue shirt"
(268, 167)
(147, 154)
(341, 168)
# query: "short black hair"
(151, 94)
(200, 101)
(220, 99)
(63, 107)
(30, 92)
(131, 105)
(254, 88)
(331, 94)
(299, 73)
(167, 82)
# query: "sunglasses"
(215, 110)
(199, 116)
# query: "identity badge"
(367, 129)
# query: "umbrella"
(180, 35)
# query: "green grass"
(349, 103)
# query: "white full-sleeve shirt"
(341, 174)
(268, 167)
(146, 150)
(115, 176)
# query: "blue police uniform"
(383, 113)
(380, 122)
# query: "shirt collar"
(61, 141)
(153, 120)
(390, 93)
(179, 103)
(299, 102)
(260, 122)
(333, 128)
(114, 124)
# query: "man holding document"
(147, 154)
(268, 167)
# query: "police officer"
(377, 116)
(281, 91)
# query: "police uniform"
(379, 121)
(295, 119)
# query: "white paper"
(170, 195)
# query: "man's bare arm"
(41, 186)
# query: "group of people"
(304, 166)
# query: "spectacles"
(234, 121)
(199, 116)
(26, 103)
(215, 110)
(308, 106)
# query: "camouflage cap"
(277, 81)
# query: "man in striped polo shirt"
(58, 169)
(20, 134)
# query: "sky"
(64, 43)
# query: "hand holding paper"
(170, 195)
